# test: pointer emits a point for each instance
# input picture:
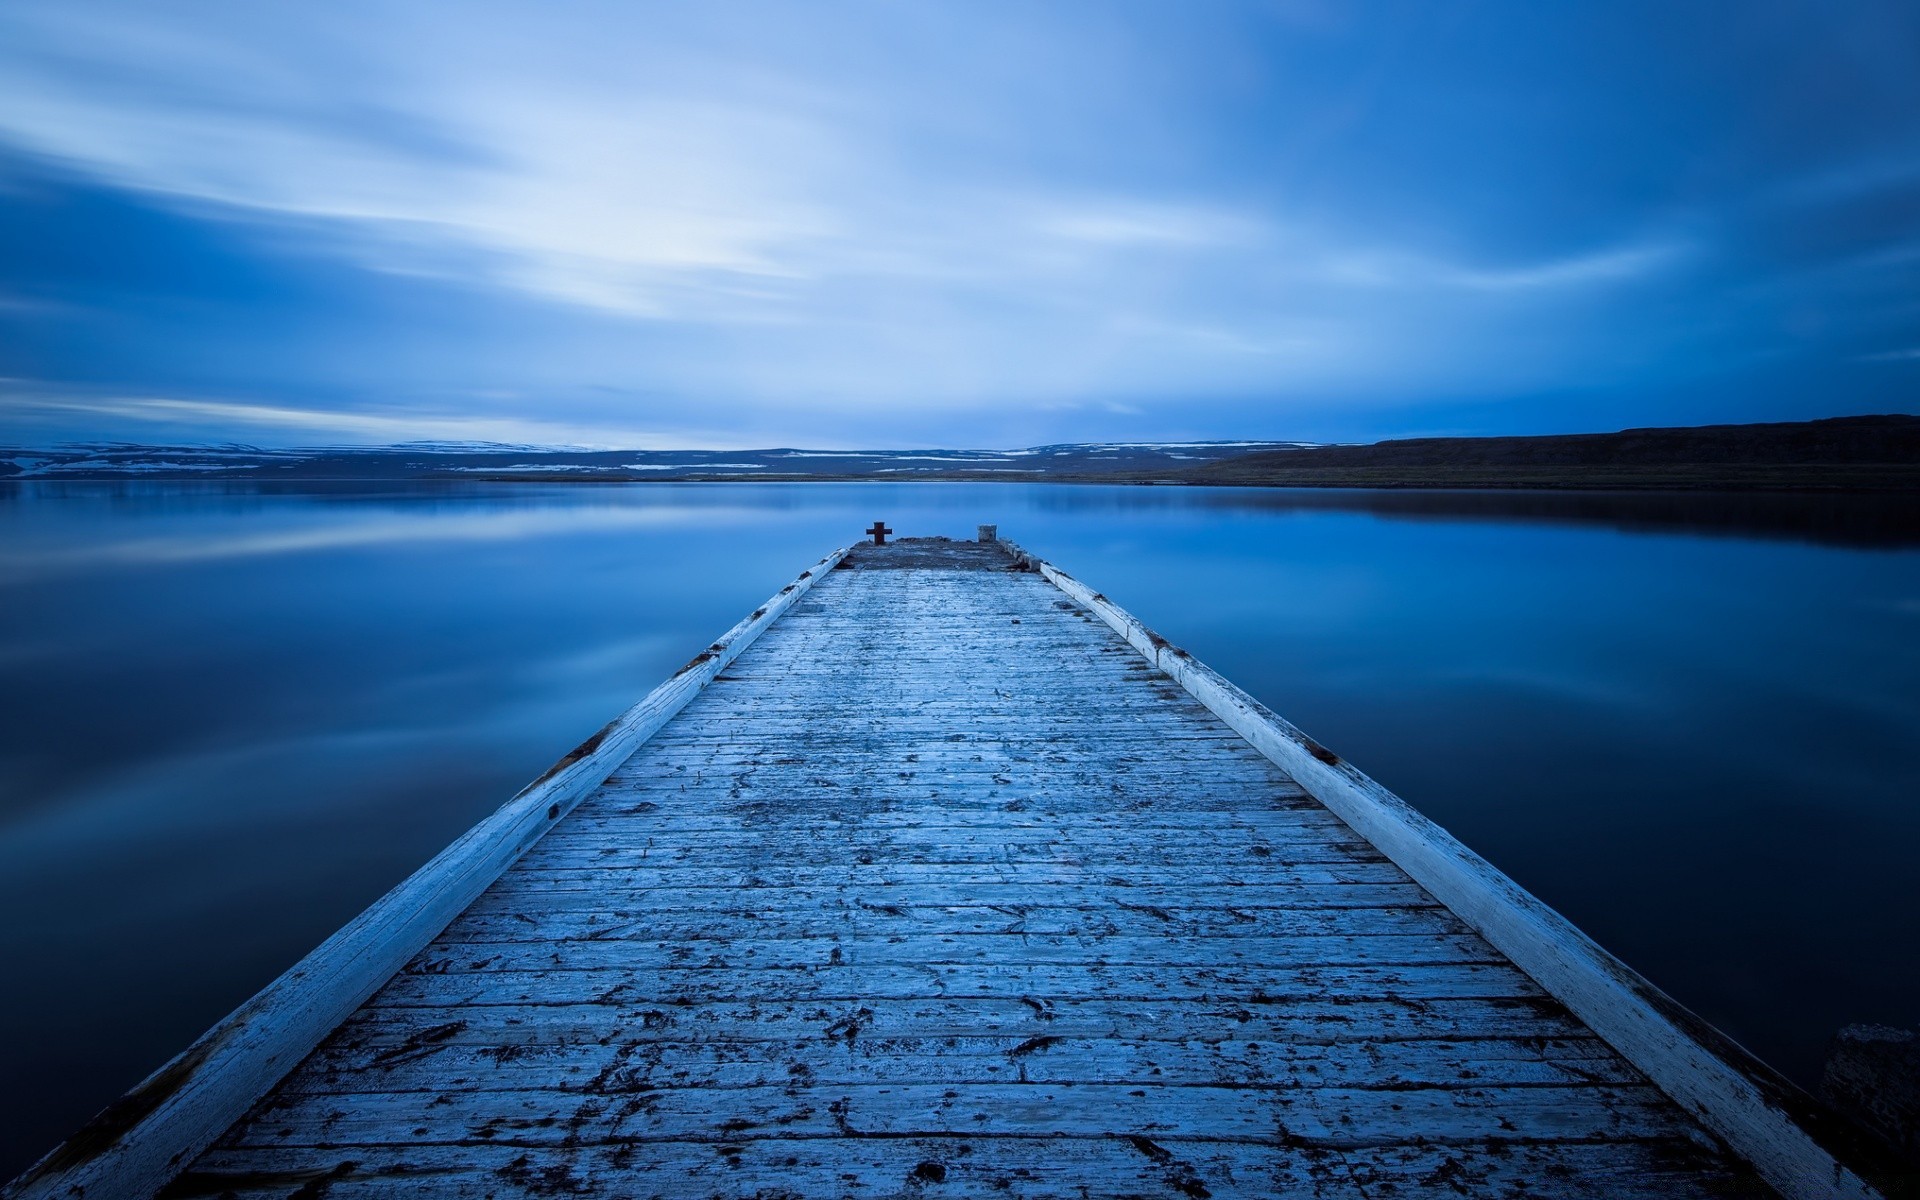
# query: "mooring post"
(989, 533)
(879, 532)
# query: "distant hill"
(1873, 452)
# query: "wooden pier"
(941, 876)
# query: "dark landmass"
(1875, 453)
(1842, 454)
(1880, 520)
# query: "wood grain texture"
(938, 889)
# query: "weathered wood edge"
(1763, 1117)
(139, 1142)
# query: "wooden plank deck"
(939, 873)
(940, 889)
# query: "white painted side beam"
(1760, 1114)
(147, 1136)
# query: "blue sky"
(983, 223)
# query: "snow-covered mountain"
(487, 460)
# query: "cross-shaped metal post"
(879, 532)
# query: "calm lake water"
(234, 716)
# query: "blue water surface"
(233, 716)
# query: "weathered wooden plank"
(814, 854)
(1029, 761)
(1254, 875)
(1314, 1021)
(647, 1061)
(527, 894)
(1332, 1117)
(1020, 1168)
(849, 921)
(1228, 842)
(701, 985)
(716, 822)
(608, 955)
(980, 779)
(720, 817)
(752, 810)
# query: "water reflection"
(234, 715)
(1862, 519)
(1887, 519)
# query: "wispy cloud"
(1140, 224)
(608, 192)
(731, 192)
(1588, 270)
(174, 418)
(1601, 267)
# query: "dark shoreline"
(1895, 481)
(1896, 478)
(1863, 454)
